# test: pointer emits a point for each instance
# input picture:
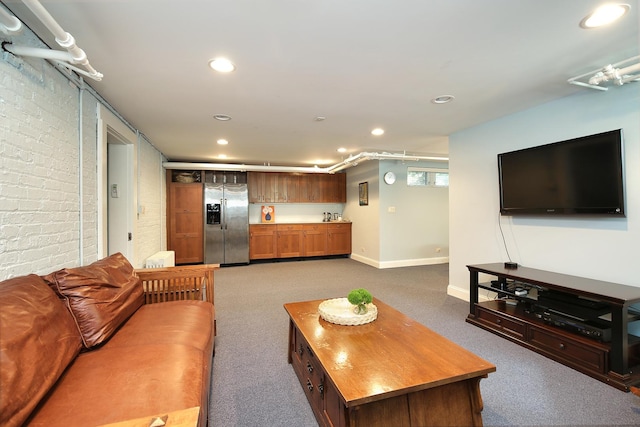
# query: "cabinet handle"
(309, 386)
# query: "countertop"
(300, 222)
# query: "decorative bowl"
(340, 312)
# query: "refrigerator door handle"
(224, 214)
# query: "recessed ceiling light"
(222, 117)
(222, 142)
(377, 131)
(443, 99)
(604, 15)
(222, 65)
(342, 150)
(320, 119)
(222, 156)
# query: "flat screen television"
(578, 176)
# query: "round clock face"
(389, 178)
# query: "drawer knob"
(309, 386)
(498, 321)
(562, 346)
(321, 389)
(300, 349)
(309, 367)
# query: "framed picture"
(363, 192)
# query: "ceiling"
(359, 64)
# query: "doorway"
(117, 198)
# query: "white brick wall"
(151, 229)
(40, 194)
(39, 162)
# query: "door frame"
(110, 126)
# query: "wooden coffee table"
(392, 371)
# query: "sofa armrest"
(194, 282)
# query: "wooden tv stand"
(525, 321)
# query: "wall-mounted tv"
(579, 176)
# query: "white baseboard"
(399, 263)
(457, 292)
(463, 294)
(365, 260)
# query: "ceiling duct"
(618, 74)
(347, 163)
(9, 24)
(74, 58)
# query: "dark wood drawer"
(570, 350)
(505, 324)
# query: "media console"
(582, 323)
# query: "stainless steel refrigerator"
(226, 224)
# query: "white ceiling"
(359, 63)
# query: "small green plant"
(360, 298)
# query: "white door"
(118, 197)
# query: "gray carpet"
(253, 385)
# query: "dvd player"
(596, 329)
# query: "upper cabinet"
(282, 187)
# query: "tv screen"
(578, 176)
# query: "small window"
(427, 177)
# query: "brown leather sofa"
(104, 343)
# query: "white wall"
(415, 234)
(48, 171)
(415, 231)
(604, 248)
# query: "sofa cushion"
(38, 339)
(101, 296)
(113, 384)
(175, 322)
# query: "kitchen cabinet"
(263, 243)
(269, 241)
(185, 218)
(289, 242)
(314, 239)
(339, 238)
(262, 187)
(284, 187)
(287, 187)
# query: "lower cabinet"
(262, 242)
(269, 241)
(289, 240)
(314, 239)
(339, 238)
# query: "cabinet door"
(314, 238)
(270, 186)
(287, 188)
(262, 187)
(185, 223)
(336, 188)
(262, 242)
(339, 239)
(255, 185)
(310, 190)
(289, 240)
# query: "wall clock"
(389, 178)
